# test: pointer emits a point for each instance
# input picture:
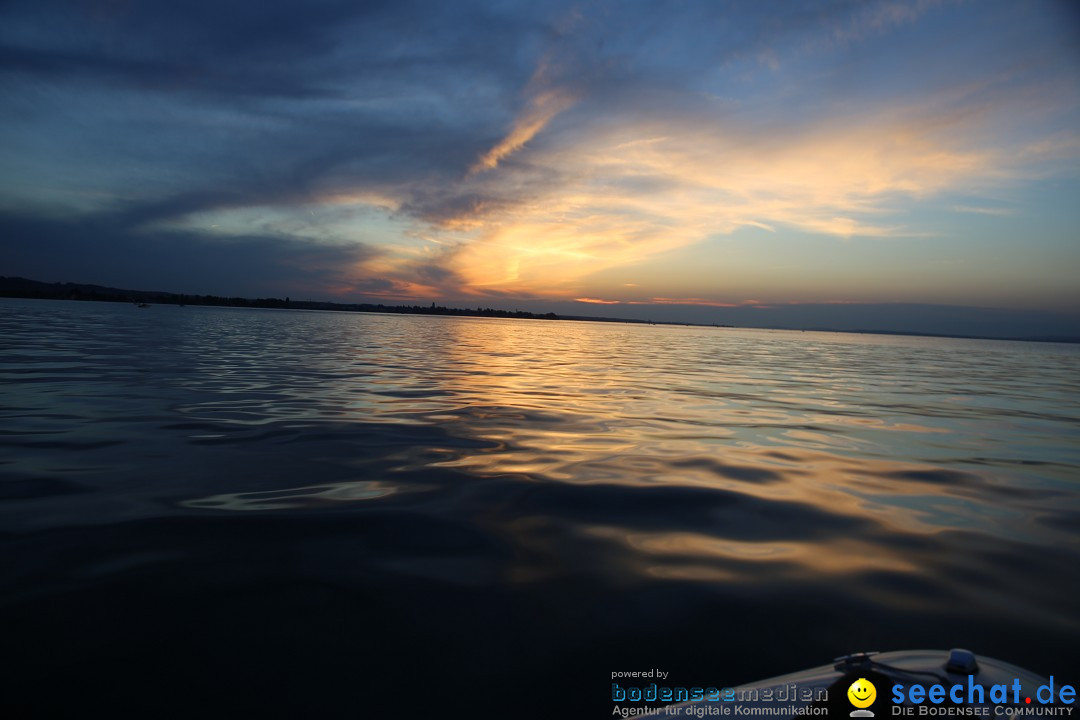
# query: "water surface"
(312, 514)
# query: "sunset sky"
(675, 160)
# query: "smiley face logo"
(862, 693)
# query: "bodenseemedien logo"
(862, 694)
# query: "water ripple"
(579, 487)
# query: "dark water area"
(244, 513)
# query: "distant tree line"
(23, 288)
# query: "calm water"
(217, 512)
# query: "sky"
(802, 164)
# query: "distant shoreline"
(17, 287)
(23, 288)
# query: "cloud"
(247, 49)
(613, 195)
(995, 211)
(705, 302)
(597, 301)
(695, 301)
(542, 108)
(175, 109)
(875, 18)
(553, 88)
(92, 250)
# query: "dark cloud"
(357, 93)
(434, 273)
(247, 47)
(379, 287)
(451, 204)
(273, 103)
(259, 103)
(98, 252)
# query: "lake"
(245, 513)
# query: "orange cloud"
(547, 98)
(696, 301)
(539, 113)
(626, 193)
(597, 301)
